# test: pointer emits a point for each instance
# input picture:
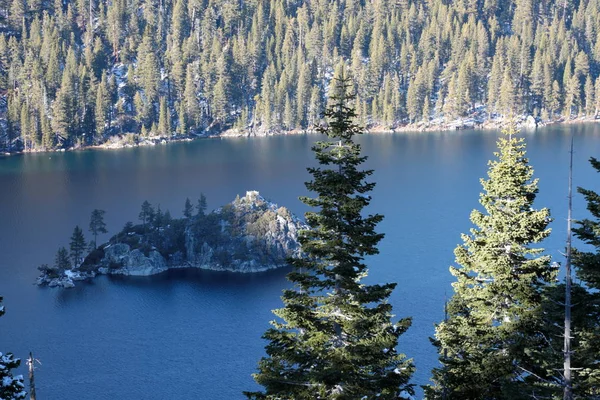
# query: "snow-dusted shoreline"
(436, 125)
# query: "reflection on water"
(200, 331)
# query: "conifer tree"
(77, 245)
(589, 97)
(486, 340)
(61, 261)
(201, 206)
(102, 104)
(164, 125)
(335, 338)
(188, 208)
(97, 224)
(146, 214)
(11, 387)
(587, 265)
(584, 318)
(508, 95)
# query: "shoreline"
(420, 127)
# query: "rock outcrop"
(247, 235)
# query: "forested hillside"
(78, 72)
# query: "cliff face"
(249, 234)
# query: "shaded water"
(196, 334)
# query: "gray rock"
(530, 122)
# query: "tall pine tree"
(335, 338)
(586, 380)
(484, 344)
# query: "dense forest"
(79, 72)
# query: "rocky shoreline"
(247, 235)
(476, 121)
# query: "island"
(248, 235)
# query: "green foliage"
(62, 262)
(587, 265)
(77, 246)
(334, 338)
(201, 206)
(485, 343)
(205, 64)
(97, 224)
(188, 209)
(146, 214)
(11, 387)
(585, 344)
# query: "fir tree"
(201, 206)
(590, 102)
(11, 387)
(102, 104)
(485, 342)
(61, 261)
(336, 339)
(77, 246)
(587, 264)
(97, 224)
(188, 209)
(146, 214)
(164, 128)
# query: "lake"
(197, 334)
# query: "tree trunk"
(30, 362)
(568, 390)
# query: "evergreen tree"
(61, 261)
(587, 346)
(102, 105)
(336, 339)
(191, 102)
(188, 209)
(213, 59)
(11, 387)
(590, 102)
(508, 96)
(486, 340)
(572, 97)
(77, 246)
(146, 214)
(97, 224)
(201, 207)
(164, 125)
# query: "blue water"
(195, 334)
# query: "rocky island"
(247, 235)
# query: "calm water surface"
(195, 334)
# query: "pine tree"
(97, 224)
(336, 339)
(11, 387)
(572, 97)
(484, 343)
(146, 214)
(102, 105)
(192, 110)
(590, 102)
(61, 261)
(164, 126)
(188, 209)
(597, 97)
(201, 206)
(508, 96)
(77, 246)
(587, 264)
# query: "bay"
(196, 334)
